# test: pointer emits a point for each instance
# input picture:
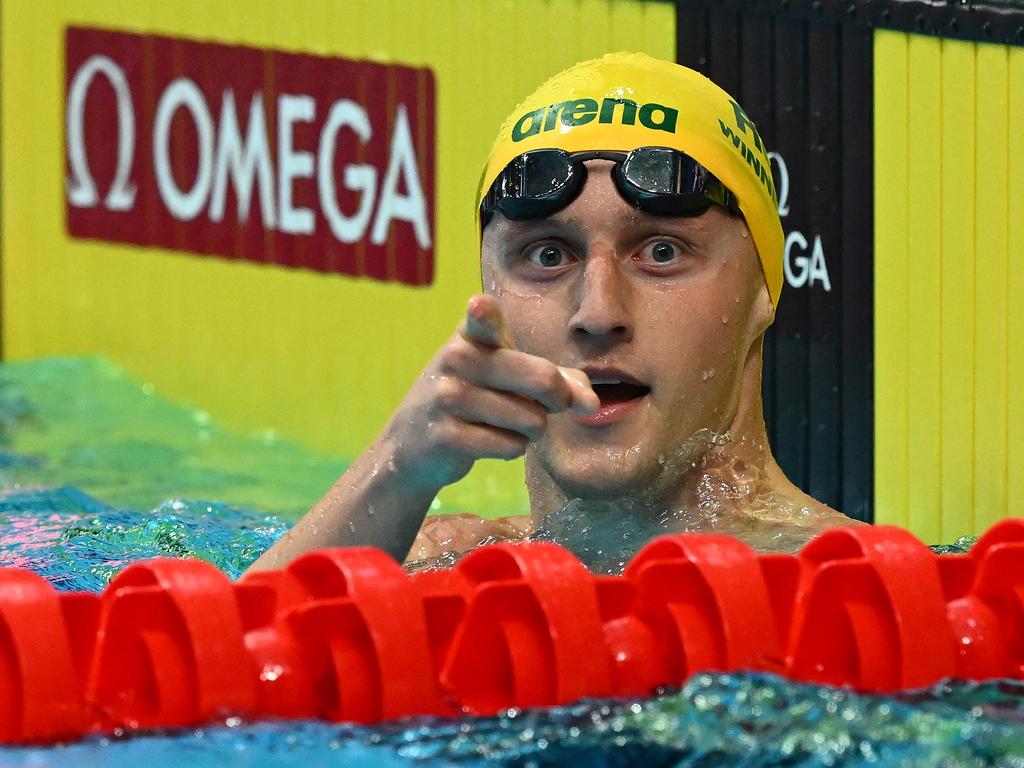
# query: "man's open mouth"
(614, 386)
(619, 392)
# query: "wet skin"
(673, 304)
(606, 339)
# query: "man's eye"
(547, 256)
(660, 252)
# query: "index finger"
(485, 324)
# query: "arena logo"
(302, 161)
(570, 114)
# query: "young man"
(631, 262)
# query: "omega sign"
(291, 159)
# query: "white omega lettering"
(184, 206)
(799, 269)
(291, 164)
(783, 183)
(358, 178)
(819, 271)
(81, 188)
(797, 280)
(247, 161)
(412, 206)
(808, 270)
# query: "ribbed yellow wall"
(322, 359)
(949, 284)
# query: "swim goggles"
(658, 180)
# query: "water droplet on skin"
(370, 511)
(708, 374)
(351, 527)
(745, 234)
(725, 319)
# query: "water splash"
(724, 720)
(79, 543)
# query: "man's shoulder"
(462, 532)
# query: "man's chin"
(601, 479)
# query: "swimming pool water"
(90, 486)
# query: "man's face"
(661, 312)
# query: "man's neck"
(729, 468)
(727, 482)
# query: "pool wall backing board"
(949, 246)
(889, 389)
(320, 357)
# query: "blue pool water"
(84, 494)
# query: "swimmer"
(631, 257)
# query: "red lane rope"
(347, 635)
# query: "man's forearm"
(372, 504)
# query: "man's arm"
(479, 397)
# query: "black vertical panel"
(857, 276)
(757, 68)
(824, 309)
(788, 431)
(692, 38)
(806, 80)
(725, 49)
(824, 299)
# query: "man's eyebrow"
(639, 220)
(526, 227)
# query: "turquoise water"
(715, 720)
(98, 470)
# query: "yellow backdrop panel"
(322, 359)
(949, 340)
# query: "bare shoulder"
(459, 533)
(822, 513)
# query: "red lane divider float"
(347, 635)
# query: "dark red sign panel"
(297, 160)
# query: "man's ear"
(762, 312)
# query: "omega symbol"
(81, 188)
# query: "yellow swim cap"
(623, 101)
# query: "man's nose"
(604, 301)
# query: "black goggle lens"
(534, 185)
(655, 171)
(544, 174)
